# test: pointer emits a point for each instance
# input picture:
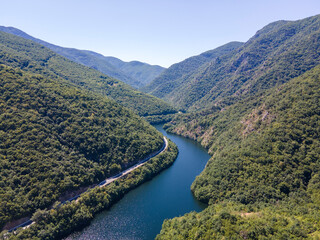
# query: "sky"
(158, 32)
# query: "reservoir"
(140, 213)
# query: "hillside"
(140, 71)
(277, 53)
(35, 58)
(176, 74)
(55, 137)
(263, 179)
(136, 74)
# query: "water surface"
(140, 214)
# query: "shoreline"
(128, 180)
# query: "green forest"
(254, 106)
(65, 219)
(275, 54)
(134, 73)
(32, 57)
(263, 179)
(176, 75)
(55, 138)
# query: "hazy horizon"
(158, 33)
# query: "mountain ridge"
(261, 63)
(135, 76)
(260, 122)
(30, 56)
(262, 180)
(163, 84)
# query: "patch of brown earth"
(250, 214)
(207, 136)
(256, 117)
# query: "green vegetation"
(261, 123)
(258, 114)
(176, 75)
(277, 53)
(136, 74)
(271, 141)
(55, 138)
(32, 57)
(158, 119)
(229, 220)
(263, 179)
(142, 72)
(62, 220)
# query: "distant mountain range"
(280, 51)
(135, 73)
(64, 126)
(33, 57)
(177, 74)
(254, 106)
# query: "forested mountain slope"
(55, 137)
(173, 77)
(277, 53)
(33, 57)
(263, 179)
(143, 72)
(136, 74)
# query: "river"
(140, 214)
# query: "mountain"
(56, 138)
(32, 57)
(262, 181)
(176, 74)
(136, 74)
(142, 72)
(275, 54)
(261, 124)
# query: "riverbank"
(74, 195)
(141, 212)
(62, 220)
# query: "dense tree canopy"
(64, 219)
(261, 124)
(274, 55)
(266, 153)
(175, 76)
(33, 57)
(55, 138)
(134, 73)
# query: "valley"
(141, 212)
(134, 73)
(69, 121)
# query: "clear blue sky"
(159, 32)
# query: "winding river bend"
(140, 214)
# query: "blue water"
(140, 214)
